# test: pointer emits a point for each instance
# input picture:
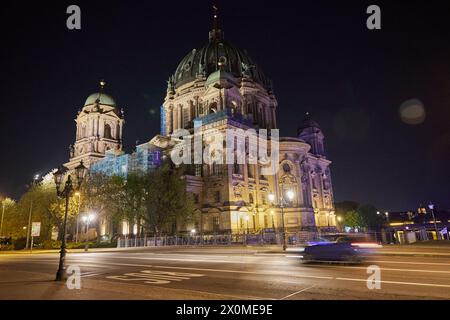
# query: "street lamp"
(3, 213)
(66, 193)
(431, 207)
(78, 194)
(246, 219)
(290, 195)
(87, 219)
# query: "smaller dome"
(104, 99)
(308, 123)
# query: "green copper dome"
(206, 60)
(103, 99)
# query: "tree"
(353, 219)
(103, 195)
(167, 199)
(369, 217)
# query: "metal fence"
(217, 240)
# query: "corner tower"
(310, 132)
(99, 126)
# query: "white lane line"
(412, 262)
(400, 282)
(274, 273)
(416, 253)
(199, 260)
(388, 269)
(296, 293)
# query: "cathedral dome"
(213, 55)
(103, 99)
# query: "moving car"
(342, 250)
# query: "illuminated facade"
(99, 126)
(219, 87)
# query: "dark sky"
(320, 55)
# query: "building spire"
(216, 17)
(102, 88)
(102, 85)
(216, 33)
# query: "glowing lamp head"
(81, 172)
(290, 195)
(271, 197)
(58, 176)
(431, 206)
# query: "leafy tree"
(102, 194)
(167, 199)
(369, 217)
(353, 219)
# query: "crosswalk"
(155, 277)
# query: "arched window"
(213, 107)
(107, 132)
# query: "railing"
(217, 240)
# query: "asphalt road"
(223, 273)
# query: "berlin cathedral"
(218, 87)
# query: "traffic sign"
(36, 229)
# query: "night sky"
(319, 54)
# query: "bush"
(50, 244)
(20, 243)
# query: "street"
(184, 273)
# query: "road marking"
(399, 282)
(155, 276)
(408, 262)
(246, 272)
(295, 293)
(415, 253)
(387, 269)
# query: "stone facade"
(99, 127)
(218, 88)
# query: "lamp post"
(3, 214)
(87, 219)
(78, 194)
(35, 181)
(246, 219)
(66, 193)
(431, 207)
(290, 195)
(339, 219)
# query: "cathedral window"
(213, 107)
(250, 198)
(196, 198)
(198, 170)
(216, 224)
(107, 132)
(250, 171)
(217, 197)
(236, 168)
